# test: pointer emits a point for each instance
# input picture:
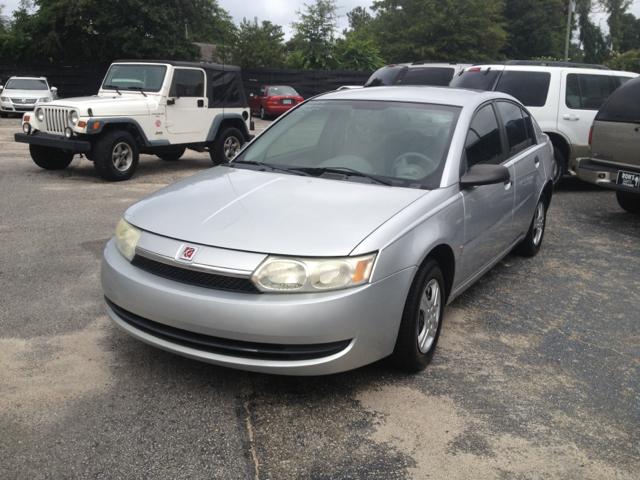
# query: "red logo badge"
(188, 253)
(158, 123)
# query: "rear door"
(581, 95)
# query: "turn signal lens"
(82, 124)
(26, 118)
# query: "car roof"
(416, 94)
(175, 63)
(28, 77)
(551, 66)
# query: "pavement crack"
(556, 328)
(246, 391)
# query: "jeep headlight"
(73, 117)
(127, 238)
(40, 114)
(288, 274)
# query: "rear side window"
(588, 92)
(385, 76)
(531, 88)
(623, 105)
(515, 126)
(483, 143)
(476, 79)
(428, 76)
(225, 90)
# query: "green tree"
(536, 28)
(439, 30)
(316, 29)
(629, 32)
(4, 22)
(357, 52)
(258, 45)
(359, 18)
(629, 61)
(592, 40)
(615, 9)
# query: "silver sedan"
(337, 236)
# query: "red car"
(273, 100)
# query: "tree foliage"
(358, 52)
(629, 61)
(439, 30)
(615, 9)
(315, 31)
(359, 18)
(258, 45)
(594, 48)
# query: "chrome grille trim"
(29, 101)
(55, 119)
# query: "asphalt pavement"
(536, 374)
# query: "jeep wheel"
(50, 158)
(629, 202)
(559, 167)
(171, 155)
(116, 156)
(227, 146)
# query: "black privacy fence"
(77, 80)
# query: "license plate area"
(287, 101)
(628, 179)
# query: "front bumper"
(366, 319)
(6, 107)
(603, 175)
(54, 141)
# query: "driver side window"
(483, 144)
(187, 83)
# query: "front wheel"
(116, 156)
(421, 320)
(263, 114)
(530, 246)
(629, 202)
(50, 158)
(227, 146)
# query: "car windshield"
(135, 77)
(26, 84)
(401, 144)
(281, 91)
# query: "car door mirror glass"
(485, 175)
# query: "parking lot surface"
(536, 374)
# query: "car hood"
(124, 105)
(25, 93)
(270, 213)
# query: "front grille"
(191, 277)
(224, 346)
(18, 101)
(55, 119)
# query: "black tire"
(421, 320)
(116, 156)
(227, 147)
(560, 168)
(172, 155)
(4, 115)
(629, 202)
(50, 158)
(530, 246)
(263, 114)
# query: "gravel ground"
(536, 374)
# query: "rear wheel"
(530, 246)
(421, 320)
(50, 158)
(227, 146)
(171, 155)
(559, 166)
(116, 156)
(628, 202)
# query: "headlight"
(40, 114)
(73, 117)
(44, 100)
(4, 99)
(286, 274)
(127, 238)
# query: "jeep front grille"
(55, 119)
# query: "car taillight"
(474, 69)
(590, 134)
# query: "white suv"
(155, 107)
(22, 94)
(563, 98)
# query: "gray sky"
(283, 12)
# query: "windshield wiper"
(347, 170)
(272, 167)
(113, 86)
(140, 89)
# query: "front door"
(189, 112)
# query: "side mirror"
(485, 175)
(250, 95)
(181, 90)
(54, 89)
(1, 87)
(171, 101)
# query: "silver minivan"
(615, 147)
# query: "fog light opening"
(26, 128)
(601, 176)
(68, 132)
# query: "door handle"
(571, 117)
(536, 161)
(507, 184)
(200, 103)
